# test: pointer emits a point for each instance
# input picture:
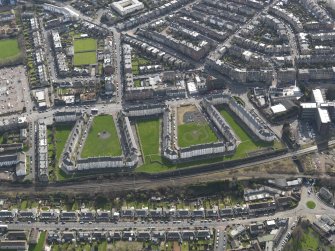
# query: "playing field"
(195, 133)
(102, 139)
(84, 44)
(9, 48)
(85, 58)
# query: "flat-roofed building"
(323, 121)
(125, 7)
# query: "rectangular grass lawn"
(248, 143)
(102, 139)
(85, 58)
(84, 44)
(195, 133)
(9, 48)
(149, 136)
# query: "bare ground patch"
(182, 110)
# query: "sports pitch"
(84, 44)
(85, 51)
(9, 48)
(85, 58)
(102, 139)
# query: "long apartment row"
(145, 214)
(138, 235)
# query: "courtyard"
(102, 139)
(193, 128)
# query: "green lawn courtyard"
(102, 139)
(9, 48)
(84, 44)
(61, 135)
(248, 144)
(148, 132)
(85, 58)
(194, 133)
(85, 51)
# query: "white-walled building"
(125, 7)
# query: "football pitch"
(9, 48)
(84, 44)
(102, 139)
(85, 58)
(85, 51)
(195, 133)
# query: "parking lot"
(13, 86)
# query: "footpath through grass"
(102, 139)
(9, 48)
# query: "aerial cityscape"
(159, 125)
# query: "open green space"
(84, 44)
(80, 246)
(305, 238)
(85, 58)
(61, 135)
(102, 139)
(148, 131)
(194, 134)
(40, 244)
(248, 144)
(310, 204)
(9, 48)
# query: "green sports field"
(84, 44)
(102, 139)
(85, 58)
(194, 133)
(9, 48)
